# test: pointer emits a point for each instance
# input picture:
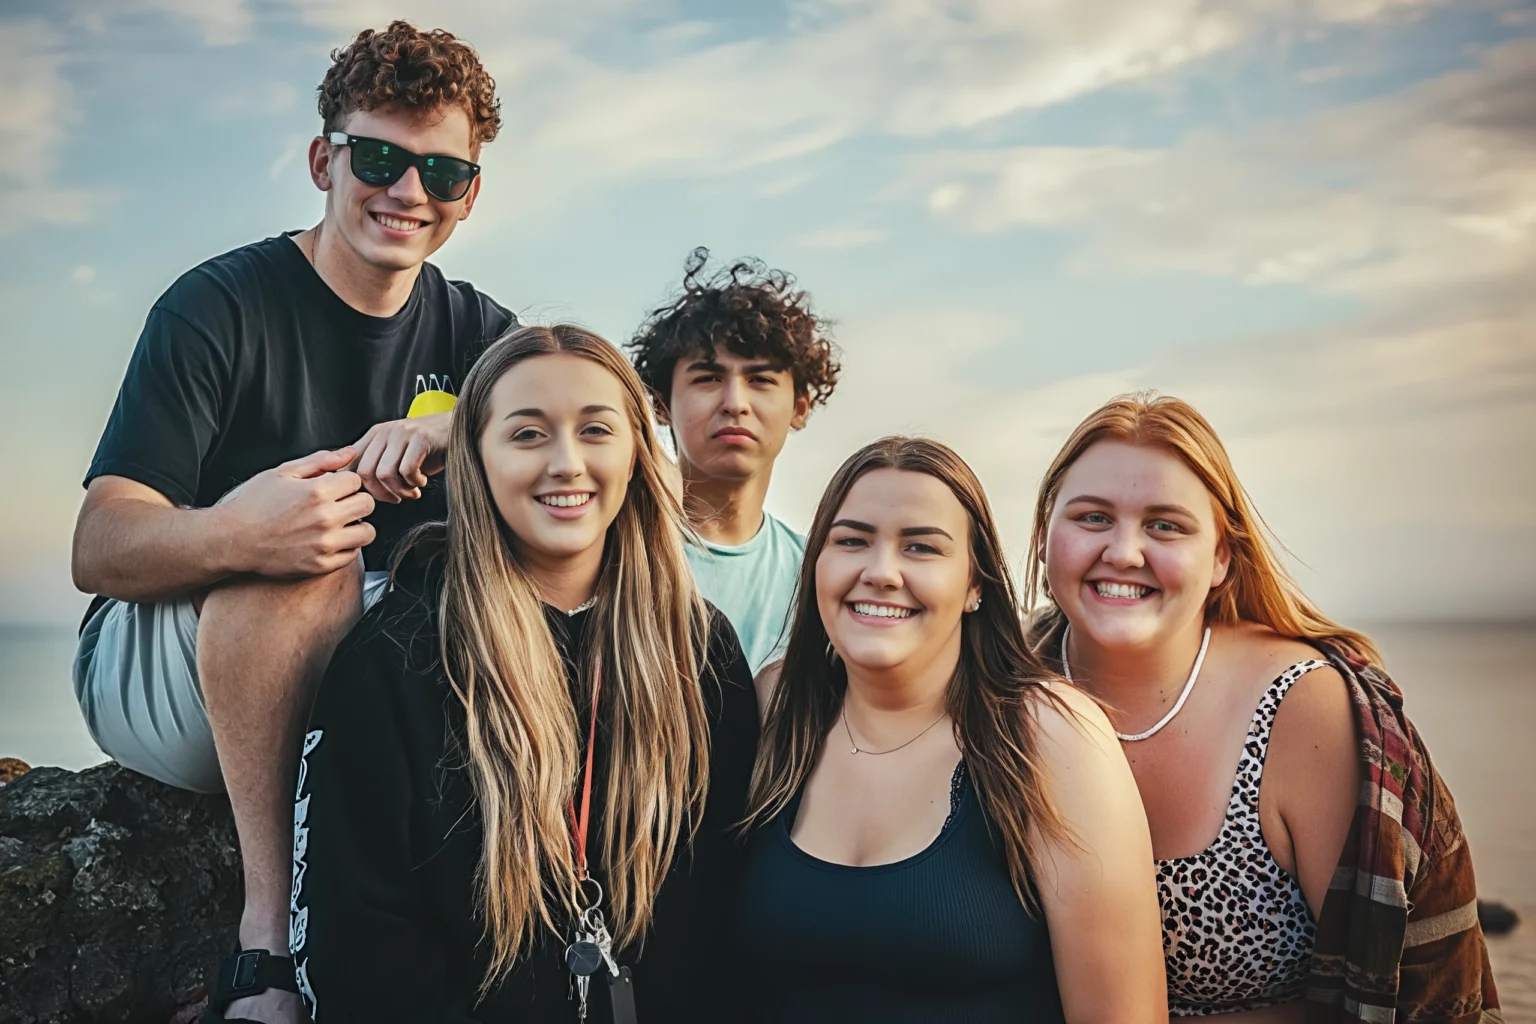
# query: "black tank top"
(938, 937)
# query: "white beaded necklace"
(1194, 674)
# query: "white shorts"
(136, 681)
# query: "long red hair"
(1258, 587)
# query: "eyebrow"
(710, 366)
(909, 531)
(1093, 499)
(1178, 510)
(586, 410)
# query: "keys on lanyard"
(592, 948)
(590, 953)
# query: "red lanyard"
(579, 825)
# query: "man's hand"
(299, 519)
(394, 459)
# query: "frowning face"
(731, 414)
(1133, 547)
(895, 575)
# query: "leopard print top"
(1237, 931)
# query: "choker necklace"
(856, 749)
(1194, 674)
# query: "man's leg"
(262, 647)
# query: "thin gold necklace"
(854, 744)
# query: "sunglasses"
(376, 162)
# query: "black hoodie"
(386, 925)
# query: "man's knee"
(322, 607)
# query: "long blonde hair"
(1257, 587)
(648, 632)
(991, 698)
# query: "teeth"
(564, 500)
(883, 611)
(1120, 589)
(398, 225)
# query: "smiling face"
(393, 227)
(558, 450)
(1133, 548)
(895, 575)
(731, 414)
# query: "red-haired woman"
(1305, 848)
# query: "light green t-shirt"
(753, 584)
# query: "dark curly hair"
(748, 309)
(406, 68)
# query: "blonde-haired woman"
(1305, 848)
(523, 767)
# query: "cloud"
(221, 22)
(1417, 196)
(1393, 460)
(845, 236)
(267, 99)
(606, 90)
(37, 108)
(1391, 451)
(296, 146)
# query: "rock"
(119, 894)
(1496, 918)
(12, 768)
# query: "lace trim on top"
(957, 783)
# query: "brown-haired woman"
(943, 831)
(1250, 721)
(539, 741)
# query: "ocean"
(1470, 688)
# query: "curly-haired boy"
(283, 410)
(735, 362)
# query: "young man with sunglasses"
(282, 414)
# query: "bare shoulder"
(1076, 737)
(1313, 764)
(1088, 778)
(1065, 713)
(1263, 652)
(1315, 715)
(1312, 773)
(1316, 707)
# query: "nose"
(565, 461)
(734, 395)
(882, 567)
(408, 189)
(1124, 550)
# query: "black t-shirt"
(387, 925)
(250, 360)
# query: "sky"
(1313, 219)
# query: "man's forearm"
(139, 551)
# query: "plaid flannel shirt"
(1398, 940)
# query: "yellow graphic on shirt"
(429, 403)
